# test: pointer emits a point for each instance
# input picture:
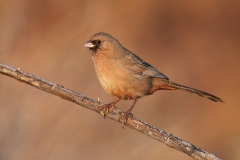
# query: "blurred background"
(195, 43)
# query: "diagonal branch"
(114, 113)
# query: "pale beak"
(89, 45)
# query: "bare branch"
(114, 113)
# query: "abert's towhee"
(126, 76)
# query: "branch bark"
(114, 113)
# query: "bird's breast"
(119, 81)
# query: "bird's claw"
(105, 109)
(125, 116)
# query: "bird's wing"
(139, 67)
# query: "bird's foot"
(125, 116)
(105, 109)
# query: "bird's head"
(102, 42)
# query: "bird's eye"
(97, 42)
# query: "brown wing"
(138, 66)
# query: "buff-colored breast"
(119, 81)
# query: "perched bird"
(126, 76)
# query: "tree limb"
(114, 113)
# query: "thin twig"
(114, 113)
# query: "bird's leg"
(106, 107)
(128, 114)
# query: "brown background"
(195, 43)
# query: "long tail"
(173, 86)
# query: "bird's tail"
(173, 86)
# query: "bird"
(126, 76)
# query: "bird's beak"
(89, 45)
